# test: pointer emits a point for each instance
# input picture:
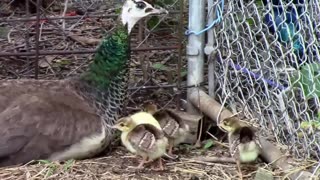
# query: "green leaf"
(305, 125)
(159, 66)
(183, 73)
(208, 144)
(259, 3)
(42, 161)
(314, 124)
(152, 22)
(68, 164)
(63, 62)
(308, 79)
(118, 10)
(250, 21)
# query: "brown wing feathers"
(144, 137)
(38, 119)
(169, 121)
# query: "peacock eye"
(140, 5)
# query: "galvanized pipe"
(209, 48)
(195, 47)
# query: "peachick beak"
(112, 127)
(221, 128)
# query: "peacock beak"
(159, 11)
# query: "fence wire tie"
(207, 27)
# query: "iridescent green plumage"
(110, 60)
(105, 82)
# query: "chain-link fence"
(267, 66)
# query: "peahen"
(70, 119)
(283, 20)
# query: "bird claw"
(172, 156)
(170, 153)
(160, 168)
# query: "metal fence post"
(208, 50)
(195, 47)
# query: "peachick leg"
(161, 168)
(239, 170)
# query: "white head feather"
(134, 10)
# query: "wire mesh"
(266, 66)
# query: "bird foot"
(140, 166)
(160, 168)
(172, 156)
(170, 153)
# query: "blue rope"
(257, 76)
(219, 19)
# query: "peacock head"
(134, 10)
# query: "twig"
(64, 14)
(215, 159)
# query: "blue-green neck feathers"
(111, 59)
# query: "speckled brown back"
(38, 118)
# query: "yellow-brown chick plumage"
(173, 126)
(143, 136)
(245, 146)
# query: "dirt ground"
(117, 165)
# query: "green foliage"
(308, 79)
(164, 3)
(68, 164)
(250, 21)
(43, 161)
(4, 32)
(208, 144)
(152, 22)
(52, 167)
(314, 124)
(259, 3)
(161, 67)
(183, 73)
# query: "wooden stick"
(215, 159)
(270, 153)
